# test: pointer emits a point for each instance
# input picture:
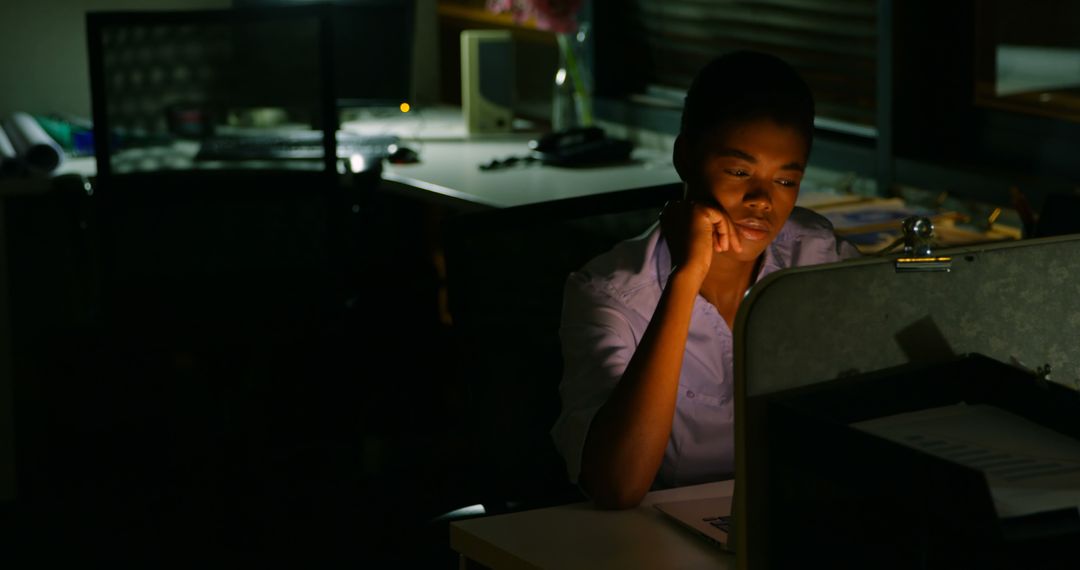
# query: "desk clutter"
(292, 145)
(874, 224)
(573, 147)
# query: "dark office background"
(339, 434)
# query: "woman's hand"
(695, 231)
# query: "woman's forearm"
(626, 441)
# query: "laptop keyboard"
(298, 145)
(722, 523)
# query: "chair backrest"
(506, 270)
(228, 247)
(222, 254)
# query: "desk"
(581, 536)
(449, 170)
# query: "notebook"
(710, 517)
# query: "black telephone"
(580, 146)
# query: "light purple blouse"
(606, 308)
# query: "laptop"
(710, 517)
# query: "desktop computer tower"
(487, 80)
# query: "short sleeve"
(597, 344)
(809, 239)
(846, 250)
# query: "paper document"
(1029, 468)
(815, 199)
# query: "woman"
(646, 330)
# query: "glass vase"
(572, 97)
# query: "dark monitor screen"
(373, 45)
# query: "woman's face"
(751, 170)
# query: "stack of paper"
(1029, 468)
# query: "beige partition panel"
(1018, 300)
(1015, 302)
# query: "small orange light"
(404, 107)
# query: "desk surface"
(451, 169)
(581, 536)
(450, 160)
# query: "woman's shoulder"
(804, 222)
(809, 238)
(627, 267)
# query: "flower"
(559, 16)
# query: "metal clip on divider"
(918, 257)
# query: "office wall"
(43, 66)
(426, 70)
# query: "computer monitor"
(163, 80)
(373, 48)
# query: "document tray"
(835, 487)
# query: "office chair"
(506, 270)
(222, 254)
(229, 247)
(223, 339)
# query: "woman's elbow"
(615, 495)
(614, 484)
(618, 501)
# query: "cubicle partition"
(804, 328)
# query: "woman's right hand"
(695, 231)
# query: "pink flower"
(559, 16)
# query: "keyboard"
(292, 146)
(723, 523)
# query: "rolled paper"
(9, 160)
(34, 147)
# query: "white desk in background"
(580, 536)
(449, 168)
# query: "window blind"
(649, 50)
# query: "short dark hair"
(747, 85)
